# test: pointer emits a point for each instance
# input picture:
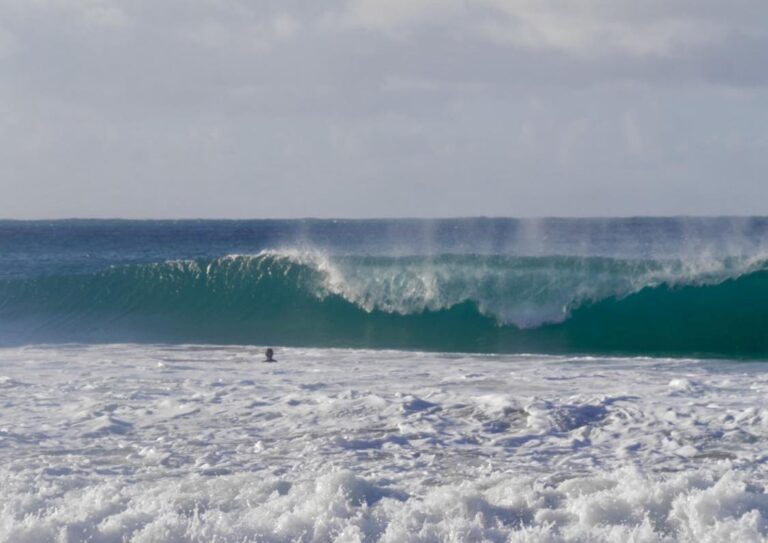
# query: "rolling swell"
(446, 303)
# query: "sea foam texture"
(192, 443)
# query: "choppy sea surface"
(454, 380)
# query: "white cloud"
(285, 26)
(589, 28)
(395, 16)
(583, 28)
(7, 43)
(106, 13)
(255, 35)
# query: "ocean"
(624, 286)
(437, 380)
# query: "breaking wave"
(479, 303)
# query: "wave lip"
(522, 291)
(445, 302)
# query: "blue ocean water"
(672, 286)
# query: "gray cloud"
(382, 108)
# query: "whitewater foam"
(195, 443)
(524, 292)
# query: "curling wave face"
(449, 302)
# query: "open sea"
(437, 380)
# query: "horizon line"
(384, 218)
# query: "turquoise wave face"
(474, 303)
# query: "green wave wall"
(446, 303)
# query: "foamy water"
(193, 443)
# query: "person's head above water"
(270, 353)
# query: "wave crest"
(444, 302)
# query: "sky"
(382, 108)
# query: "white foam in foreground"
(137, 443)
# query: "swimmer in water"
(269, 354)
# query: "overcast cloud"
(359, 108)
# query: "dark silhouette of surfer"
(270, 354)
